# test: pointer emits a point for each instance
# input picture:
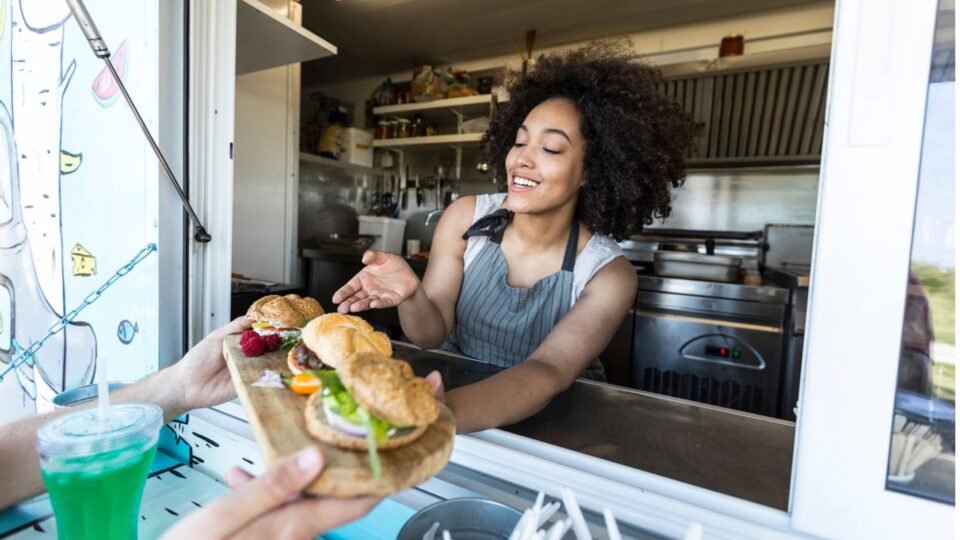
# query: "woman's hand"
(386, 281)
(436, 382)
(271, 506)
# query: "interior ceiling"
(375, 37)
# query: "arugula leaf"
(289, 342)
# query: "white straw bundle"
(912, 446)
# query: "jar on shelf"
(392, 129)
(403, 128)
(383, 130)
(430, 130)
(417, 128)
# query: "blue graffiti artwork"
(126, 331)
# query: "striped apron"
(503, 325)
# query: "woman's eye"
(549, 151)
(519, 145)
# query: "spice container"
(403, 128)
(417, 128)
(383, 130)
(731, 45)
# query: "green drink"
(95, 469)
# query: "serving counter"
(740, 454)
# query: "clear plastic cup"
(95, 469)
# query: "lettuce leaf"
(372, 449)
(340, 401)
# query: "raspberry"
(271, 342)
(253, 346)
(249, 334)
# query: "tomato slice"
(305, 384)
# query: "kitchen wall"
(266, 169)
(745, 199)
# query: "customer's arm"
(200, 379)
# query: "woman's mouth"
(521, 184)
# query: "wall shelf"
(328, 162)
(266, 39)
(433, 142)
(462, 106)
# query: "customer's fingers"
(256, 498)
(307, 518)
(237, 478)
(233, 327)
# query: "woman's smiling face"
(545, 166)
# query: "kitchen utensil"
(697, 266)
(529, 38)
(466, 518)
(342, 243)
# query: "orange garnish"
(305, 384)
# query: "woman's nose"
(524, 158)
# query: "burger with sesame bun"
(284, 316)
(370, 402)
(328, 339)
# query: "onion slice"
(337, 421)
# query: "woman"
(532, 280)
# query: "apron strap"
(570, 257)
(491, 225)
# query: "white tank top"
(595, 255)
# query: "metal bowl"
(470, 518)
(82, 394)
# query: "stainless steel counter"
(739, 454)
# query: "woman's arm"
(580, 336)
(428, 317)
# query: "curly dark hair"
(636, 136)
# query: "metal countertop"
(739, 454)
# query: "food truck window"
(922, 443)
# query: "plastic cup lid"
(83, 433)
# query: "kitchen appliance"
(786, 261)
(710, 342)
(696, 266)
(388, 232)
(796, 278)
(697, 254)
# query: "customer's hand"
(386, 281)
(271, 506)
(202, 373)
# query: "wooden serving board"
(276, 416)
